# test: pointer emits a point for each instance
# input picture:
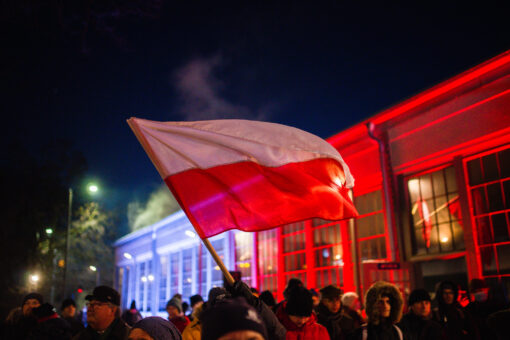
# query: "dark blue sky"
(79, 71)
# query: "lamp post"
(96, 270)
(91, 188)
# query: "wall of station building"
(432, 192)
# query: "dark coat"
(118, 330)
(417, 328)
(339, 325)
(382, 331)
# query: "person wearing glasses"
(103, 316)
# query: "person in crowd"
(293, 282)
(456, 321)
(384, 305)
(296, 315)
(268, 298)
(154, 328)
(232, 319)
(255, 291)
(315, 298)
(195, 302)
(131, 315)
(49, 325)
(417, 323)
(68, 313)
(331, 315)
(275, 330)
(498, 323)
(23, 324)
(103, 316)
(480, 307)
(352, 307)
(175, 314)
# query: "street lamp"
(96, 270)
(92, 188)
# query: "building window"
(244, 255)
(489, 193)
(268, 260)
(435, 213)
(328, 253)
(370, 226)
(217, 275)
(294, 251)
(187, 267)
(143, 285)
(175, 276)
(163, 282)
(204, 269)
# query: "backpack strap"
(399, 332)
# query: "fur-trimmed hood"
(378, 289)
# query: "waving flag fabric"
(247, 175)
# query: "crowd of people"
(239, 312)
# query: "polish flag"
(247, 175)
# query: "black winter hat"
(68, 302)
(299, 302)
(331, 292)
(35, 296)
(230, 315)
(104, 294)
(158, 328)
(418, 295)
(195, 299)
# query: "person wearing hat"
(384, 309)
(331, 315)
(175, 314)
(232, 319)
(417, 323)
(103, 316)
(30, 301)
(296, 315)
(456, 321)
(25, 324)
(154, 328)
(68, 313)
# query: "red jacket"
(311, 330)
(180, 322)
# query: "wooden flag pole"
(219, 262)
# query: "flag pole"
(219, 262)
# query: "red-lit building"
(432, 191)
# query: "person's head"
(133, 305)
(447, 293)
(217, 294)
(293, 282)
(31, 301)
(196, 301)
(419, 303)
(154, 328)
(268, 298)
(68, 308)
(351, 300)
(315, 297)
(383, 303)
(479, 290)
(102, 307)
(299, 305)
(232, 319)
(331, 298)
(174, 307)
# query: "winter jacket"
(417, 328)
(180, 322)
(118, 330)
(193, 330)
(311, 330)
(339, 324)
(457, 322)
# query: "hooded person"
(297, 316)
(50, 326)
(154, 328)
(417, 323)
(175, 314)
(456, 321)
(331, 314)
(383, 305)
(232, 319)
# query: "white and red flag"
(247, 175)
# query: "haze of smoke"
(199, 91)
(160, 204)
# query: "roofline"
(425, 96)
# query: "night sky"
(78, 71)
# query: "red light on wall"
(80, 290)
